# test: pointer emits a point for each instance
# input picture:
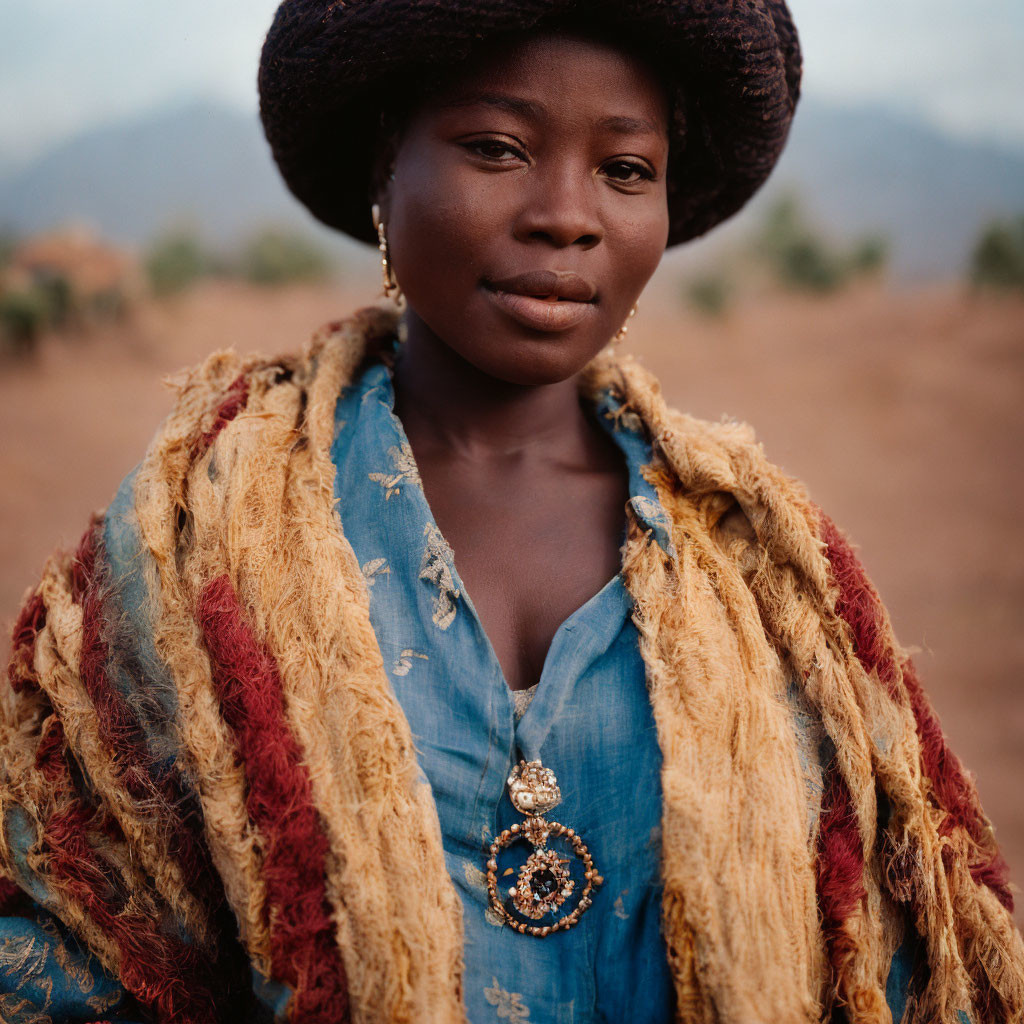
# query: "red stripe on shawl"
(169, 978)
(861, 607)
(147, 783)
(955, 791)
(280, 802)
(27, 626)
(50, 752)
(13, 901)
(231, 405)
(840, 867)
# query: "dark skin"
(549, 154)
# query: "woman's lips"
(542, 314)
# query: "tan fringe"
(58, 653)
(160, 498)
(285, 550)
(972, 943)
(736, 865)
(25, 719)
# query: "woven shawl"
(248, 796)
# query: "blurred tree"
(276, 256)
(57, 297)
(22, 320)
(783, 225)
(998, 257)
(869, 255)
(800, 258)
(9, 240)
(110, 304)
(176, 261)
(808, 265)
(709, 293)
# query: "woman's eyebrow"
(501, 101)
(631, 126)
(621, 125)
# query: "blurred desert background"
(865, 312)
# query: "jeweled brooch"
(543, 884)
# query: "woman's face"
(528, 207)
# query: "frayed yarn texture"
(243, 793)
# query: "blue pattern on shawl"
(44, 970)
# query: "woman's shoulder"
(722, 454)
(721, 468)
(296, 383)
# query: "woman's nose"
(560, 208)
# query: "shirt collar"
(627, 430)
(623, 425)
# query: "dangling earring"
(391, 289)
(621, 333)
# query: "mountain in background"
(861, 170)
(856, 170)
(201, 165)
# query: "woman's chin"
(500, 347)
(515, 353)
(531, 361)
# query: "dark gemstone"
(544, 883)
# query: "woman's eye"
(494, 150)
(627, 172)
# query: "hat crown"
(325, 67)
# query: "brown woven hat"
(327, 70)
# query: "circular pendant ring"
(543, 885)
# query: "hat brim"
(326, 66)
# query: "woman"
(263, 754)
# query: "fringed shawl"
(254, 775)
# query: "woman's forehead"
(528, 75)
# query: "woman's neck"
(445, 402)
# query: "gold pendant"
(543, 884)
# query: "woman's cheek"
(431, 223)
(473, 210)
(643, 244)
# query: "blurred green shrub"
(176, 261)
(807, 265)
(27, 312)
(22, 321)
(801, 259)
(869, 255)
(997, 260)
(272, 256)
(276, 256)
(709, 293)
(9, 240)
(110, 304)
(57, 297)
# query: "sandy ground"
(903, 412)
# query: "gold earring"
(391, 288)
(621, 333)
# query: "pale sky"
(68, 65)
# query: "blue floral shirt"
(590, 722)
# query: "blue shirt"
(590, 722)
